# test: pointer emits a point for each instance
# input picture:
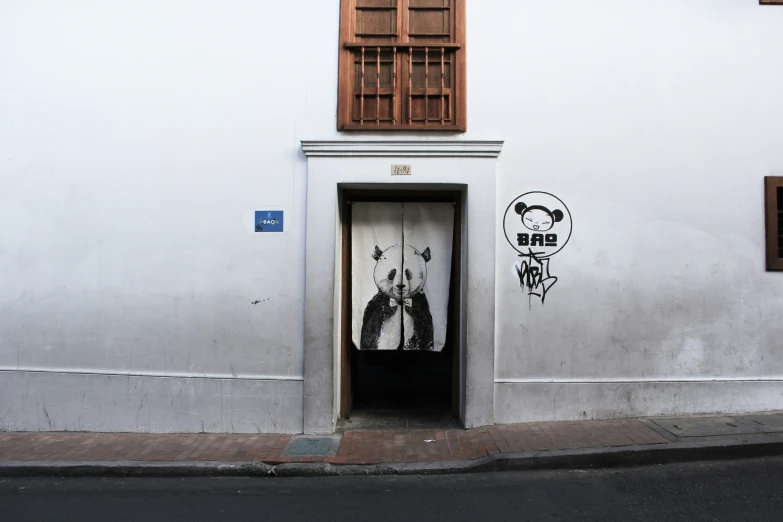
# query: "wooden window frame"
(773, 217)
(402, 121)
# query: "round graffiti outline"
(520, 197)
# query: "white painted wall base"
(147, 404)
(533, 402)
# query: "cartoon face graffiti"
(538, 217)
(537, 223)
(546, 229)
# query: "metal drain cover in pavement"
(309, 447)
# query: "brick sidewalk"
(356, 447)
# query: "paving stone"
(765, 422)
(704, 426)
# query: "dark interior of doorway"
(401, 389)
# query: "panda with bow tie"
(399, 314)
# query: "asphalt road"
(735, 490)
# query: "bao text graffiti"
(549, 240)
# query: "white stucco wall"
(137, 138)
(656, 123)
(136, 141)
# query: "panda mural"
(400, 270)
(400, 301)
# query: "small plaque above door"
(402, 170)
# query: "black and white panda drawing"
(399, 313)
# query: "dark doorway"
(400, 389)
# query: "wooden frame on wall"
(771, 2)
(774, 221)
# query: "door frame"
(437, 164)
(454, 328)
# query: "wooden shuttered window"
(402, 65)
(774, 221)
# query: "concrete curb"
(545, 460)
(132, 469)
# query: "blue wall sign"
(269, 220)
